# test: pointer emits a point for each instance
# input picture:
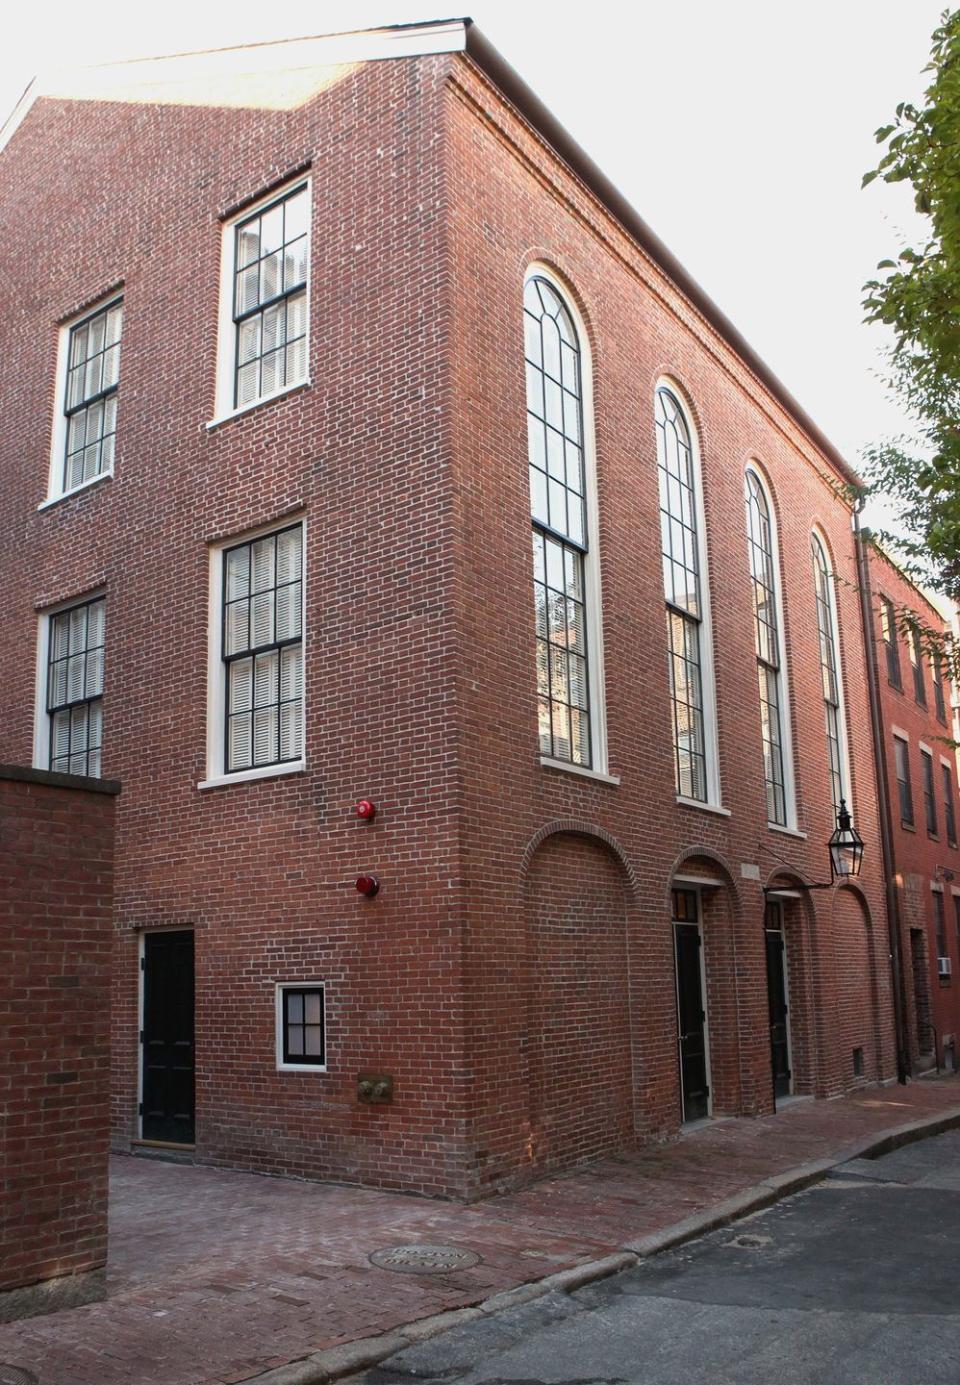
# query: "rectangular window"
(89, 380)
(929, 798)
(956, 917)
(74, 687)
(902, 758)
(888, 629)
(264, 314)
(939, 924)
(301, 1026)
(936, 667)
(916, 660)
(948, 809)
(262, 650)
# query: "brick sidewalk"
(216, 1276)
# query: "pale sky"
(739, 129)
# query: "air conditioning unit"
(943, 966)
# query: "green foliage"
(918, 298)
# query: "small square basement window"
(301, 1027)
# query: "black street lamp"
(846, 855)
(846, 847)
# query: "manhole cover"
(16, 1375)
(750, 1242)
(423, 1259)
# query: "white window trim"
(846, 782)
(58, 440)
(783, 673)
(279, 988)
(224, 406)
(708, 683)
(41, 717)
(217, 775)
(599, 767)
(581, 770)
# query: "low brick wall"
(56, 888)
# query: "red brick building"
(383, 326)
(917, 712)
(56, 885)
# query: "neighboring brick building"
(56, 886)
(298, 536)
(917, 702)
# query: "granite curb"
(333, 1363)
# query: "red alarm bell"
(366, 810)
(368, 885)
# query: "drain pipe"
(861, 537)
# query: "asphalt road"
(853, 1282)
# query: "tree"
(918, 297)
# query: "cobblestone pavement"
(215, 1276)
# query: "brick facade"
(927, 859)
(515, 974)
(56, 885)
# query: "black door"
(777, 1002)
(167, 1037)
(691, 1016)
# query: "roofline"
(462, 35)
(509, 81)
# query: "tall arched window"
(558, 507)
(690, 695)
(830, 672)
(761, 548)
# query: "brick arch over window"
(577, 892)
(581, 827)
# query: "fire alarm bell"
(368, 885)
(366, 810)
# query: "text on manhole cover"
(423, 1259)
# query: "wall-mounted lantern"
(846, 855)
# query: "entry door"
(691, 1014)
(777, 999)
(167, 1037)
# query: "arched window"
(830, 672)
(562, 563)
(691, 684)
(761, 548)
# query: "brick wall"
(56, 885)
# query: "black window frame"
(929, 792)
(949, 809)
(559, 512)
(85, 700)
(888, 631)
(763, 577)
(940, 924)
(915, 651)
(239, 317)
(103, 395)
(939, 702)
(684, 595)
(829, 670)
(296, 989)
(901, 748)
(258, 651)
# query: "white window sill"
(243, 776)
(704, 807)
(301, 1067)
(787, 831)
(77, 490)
(580, 770)
(256, 403)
